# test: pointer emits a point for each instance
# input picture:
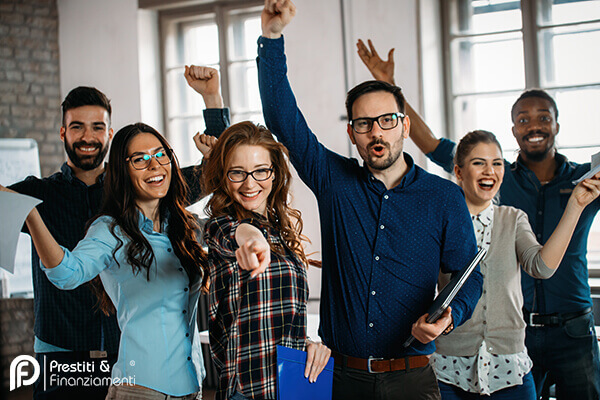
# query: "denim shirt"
(159, 345)
(568, 289)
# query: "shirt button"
(386, 197)
(484, 307)
(373, 292)
(181, 269)
(185, 289)
(169, 250)
(189, 358)
(376, 258)
(261, 45)
(485, 323)
(371, 325)
(539, 235)
(184, 311)
(540, 212)
(187, 335)
(381, 226)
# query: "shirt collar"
(70, 177)
(145, 224)
(486, 216)
(562, 163)
(406, 180)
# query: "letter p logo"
(17, 375)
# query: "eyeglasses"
(385, 122)
(142, 161)
(261, 174)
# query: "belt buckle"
(98, 354)
(531, 323)
(369, 365)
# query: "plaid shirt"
(250, 317)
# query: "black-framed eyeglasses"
(385, 122)
(141, 161)
(261, 174)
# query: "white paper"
(595, 168)
(14, 208)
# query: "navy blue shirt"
(382, 248)
(568, 289)
(69, 319)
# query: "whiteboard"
(19, 158)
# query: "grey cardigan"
(498, 316)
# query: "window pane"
(201, 44)
(485, 16)
(256, 117)
(181, 136)
(491, 113)
(563, 61)
(579, 118)
(488, 63)
(244, 30)
(243, 77)
(181, 99)
(553, 12)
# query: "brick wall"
(29, 77)
(16, 334)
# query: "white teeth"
(536, 139)
(486, 182)
(155, 179)
(249, 194)
(87, 148)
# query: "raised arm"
(282, 115)
(381, 70)
(205, 80)
(556, 246)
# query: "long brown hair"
(119, 203)
(280, 214)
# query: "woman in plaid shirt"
(258, 284)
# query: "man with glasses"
(69, 328)
(387, 227)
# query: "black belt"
(536, 320)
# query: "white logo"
(17, 374)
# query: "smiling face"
(152, 183)
(86, 136)
(535, 128)
(481, 175)
(250, 194)
(380, 149)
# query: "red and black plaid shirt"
(250, 317)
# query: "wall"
(16, 337)
(98, 47)
(29, 77)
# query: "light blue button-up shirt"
(160, 345)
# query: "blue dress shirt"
(382, 248)
(159, 345)
(568, 289)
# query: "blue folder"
(291, 383)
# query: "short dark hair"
(469, 141)
(373, 86)
(539, 93)
(85, 96)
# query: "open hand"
(587, 191)
(381, 70)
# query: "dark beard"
(536, 156)
(85, 163)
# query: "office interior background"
(460, 63)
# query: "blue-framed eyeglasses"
(142, 161)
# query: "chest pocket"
(564, 196)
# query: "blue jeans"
(569, 356)
(525, 391)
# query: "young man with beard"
(388, 228)
(560, 335)
(69, 328)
